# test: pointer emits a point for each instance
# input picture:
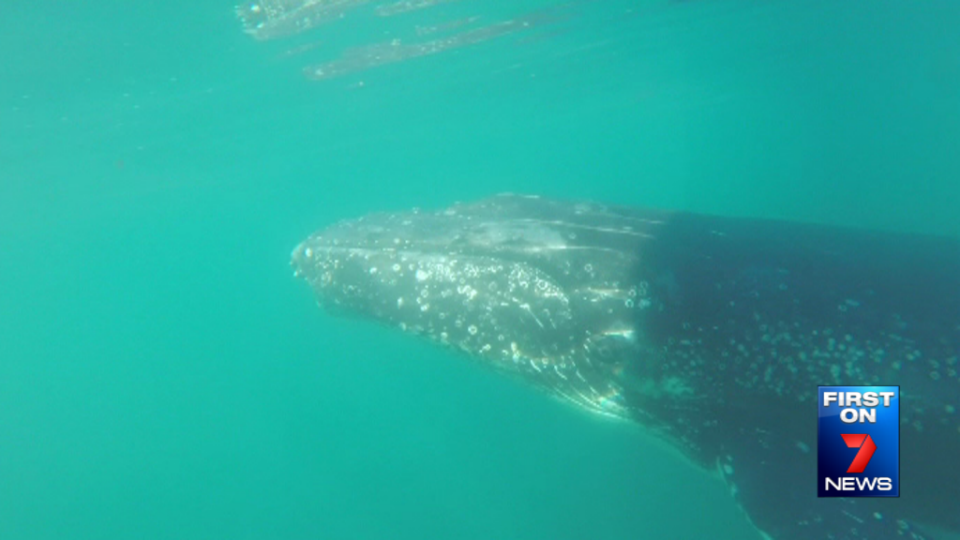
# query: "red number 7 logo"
(867, 448)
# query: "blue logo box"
(858, 441)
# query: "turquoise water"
(162, 375)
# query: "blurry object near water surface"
(274, 19)
(267, 20)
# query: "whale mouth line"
(311, 250)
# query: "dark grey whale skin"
(712, 332)
(891, 301)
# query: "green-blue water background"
(162, 375)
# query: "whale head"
(542, 289)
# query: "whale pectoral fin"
(774, 482)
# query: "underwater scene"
(471, 269)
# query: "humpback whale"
(711, 332)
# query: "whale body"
(714, 333)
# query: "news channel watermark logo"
(858, 442)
